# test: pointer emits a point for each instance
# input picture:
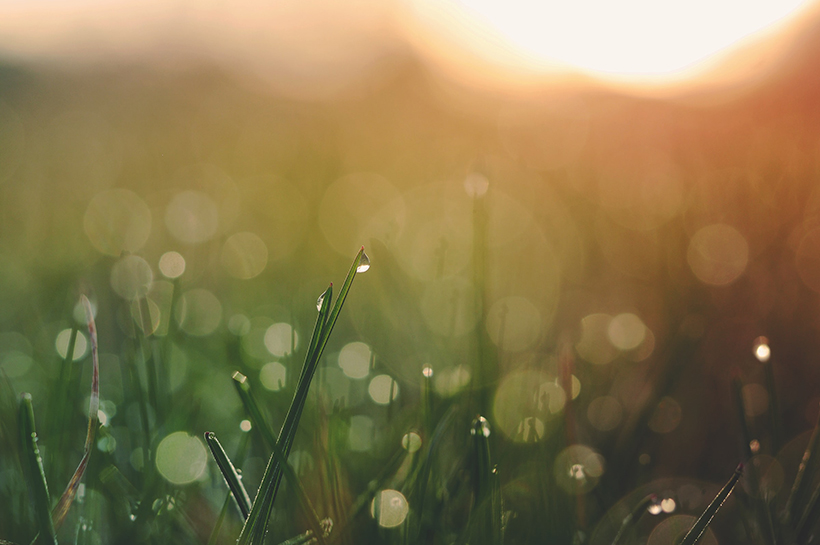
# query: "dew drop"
(762, 350)
(655, 509)
(480, 426)
(364, 264)
(576, 471)
(321, 300)
(427, 371)
(668, 505)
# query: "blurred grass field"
(586, 270)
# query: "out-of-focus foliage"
(586, 270)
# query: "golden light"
(633, 38)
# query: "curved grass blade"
(633, 517)
(256, 525)
(61, 510)
(810, 515)
(34, 470)
(696, 532)
(229, 473)
(212, 540)
(249, 401)
(807, 463)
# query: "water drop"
(762, 350)
(576, 471)
(655, 508)
(364, 264)
(319, 302)
(427, 371)
(480, 426)
(668, 505)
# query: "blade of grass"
(259, 422)
(484, 483)
(775, 422)
(212, 540)
(633, 517)
(256, 525)
(810, 516)
(800, 481)
(696, 532)
(38, 488)
(229, 473)
(61, 510)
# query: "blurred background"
(582, 225)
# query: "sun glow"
(624, 38)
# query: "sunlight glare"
(634, 37)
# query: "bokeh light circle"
(244, 255)
(383, 389)
(273, 376)
(117, 221)
(527, 404)
(578, 469)
(354, 359)
(389, 508)
(131, 277)
(192, 217)
(281, 339)
(171, 264)
(718, 254)
(64, 338)
(198, 312)
(181, 458)
(514, 324)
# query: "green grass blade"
(249, 401)
(340, 300)
(229, 473)
(212, 540)
(240, 381)
(38, 488)
(696, 532)
(800, 481)
(61, 510)
(255, 527)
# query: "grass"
(465, 482)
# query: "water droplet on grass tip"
(364, 264)
(427, 371)
(762, 350)
(480, 426)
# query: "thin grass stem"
(37, 485)
(702, 523)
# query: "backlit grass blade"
(33, 463)
(61, 510)
(800, 481)
(696, 532)
(229, 473)
(633, 517)
(810, 516)
(259, 422)
(256, 525)
(253, 531)
(484, 481)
